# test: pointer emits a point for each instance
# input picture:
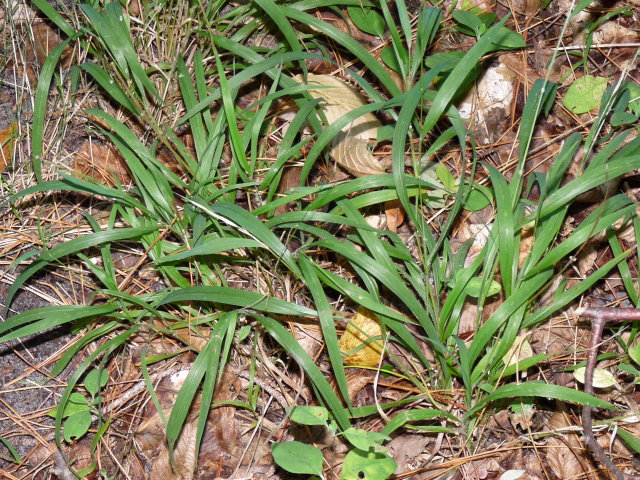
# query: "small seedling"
(78, 410)
(368, 460)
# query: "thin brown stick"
(599, 318)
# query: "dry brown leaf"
(527, 239)
(356, 341)
(566, 454)
(7, 140)
(526, 7)
(350, 149)
(395, 214)
(184, 455)
(134, 7)
(101, 163)
(481, 469)
(290, 179)
(45, 39)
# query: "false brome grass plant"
(216, 212)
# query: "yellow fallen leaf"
(361, 342)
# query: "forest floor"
(264, 369)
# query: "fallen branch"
(599, 318)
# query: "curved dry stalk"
(599, 318)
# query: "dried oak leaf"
(350, 147)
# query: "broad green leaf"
(634, 101)
(634, 351)
(585, 94)
(77, 425)
(297, 457)
(448, 180)
(479, 197)
(367, 20)
(95, 380)
(390, 59)
(363, 440)
(510, 40)
(309, 415)
(77, 403)
(476, 284)
(362, 465)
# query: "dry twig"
(599, 318)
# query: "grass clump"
(195, 123)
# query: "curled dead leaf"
(339, 99)
(350, 149)
(360, 342)
(354, 155)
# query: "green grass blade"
(237, 298)
(562, 299)
(189, 97)
(109, 86)
(601, 218)
(40, 106)
(409, 416)
(508, 249)
(520, 296)
(459, 74)
(590, 179)
(327, 324)
(251, 226)
(206, 362)
(70, 247)
(347, 42)
(211, 247)
(535, 389)
(55, 16)
(73, 184)
(291, 345)
(260, 66)
(40, 319)
(71, 352)
(105, 350)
